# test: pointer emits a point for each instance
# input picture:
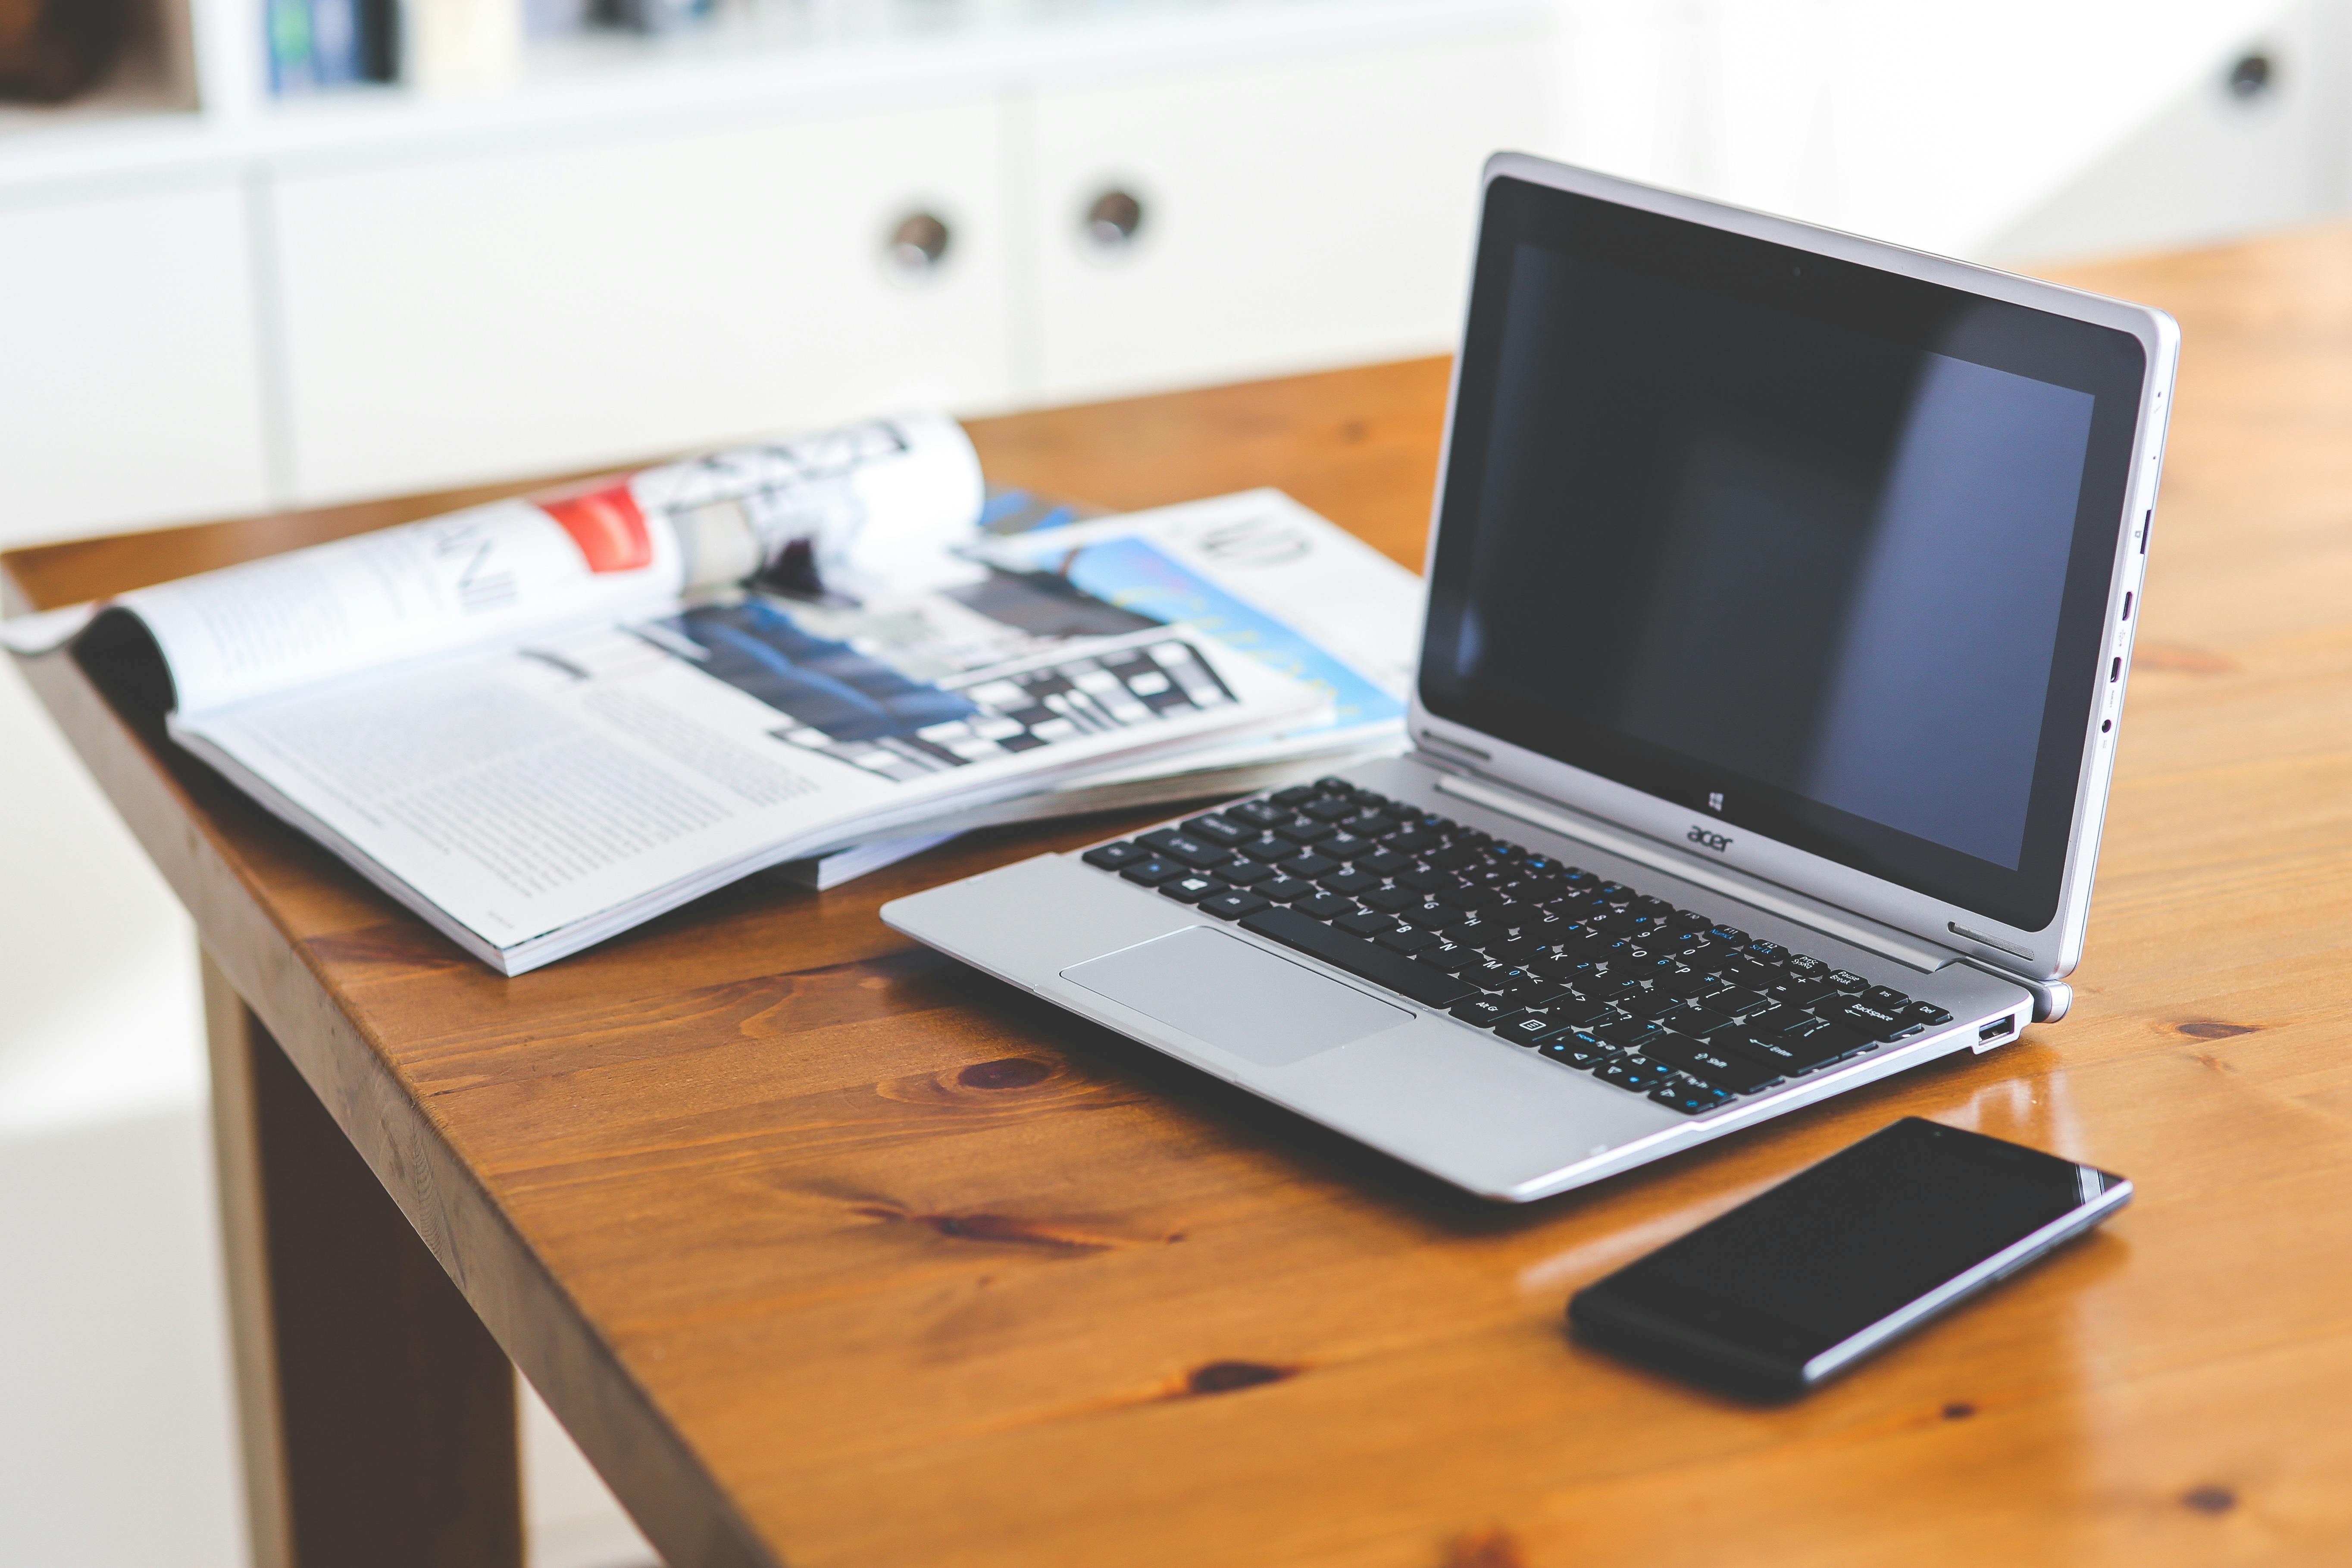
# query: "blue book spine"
(287, 27)
(335, 41)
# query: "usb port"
(1999, 1029)
(2115, 671)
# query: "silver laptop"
(1782, 590)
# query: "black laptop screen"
(1809, 547)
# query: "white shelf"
(813, 56)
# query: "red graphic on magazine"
(607, 526)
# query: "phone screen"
(1815, 1264)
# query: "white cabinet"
(1294, 213)
(535, 308)
(130, 370)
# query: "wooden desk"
(830, 1252)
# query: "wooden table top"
(831, 1252)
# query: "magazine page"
(602, 773)
(870, 504)
(1262, 576)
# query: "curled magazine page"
(843, 511)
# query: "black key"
(1887, 999)
(1384, 862)
(1152, 871)
(1332, 784)
(1688, 1098)
(1258, 813)
(1429, 882)
(1424, 985)
(1343, 846)
(1389, 900)
(1304, 829)
(1847, 980)
(1483, 1011)
(1517, 950)
(1369, 821)
(1413, 838)
(1804, 968)
(1330, 808)
(1696, 1020)
(1449, 956)
(1926, 1013)
(1724, 1066)
(1579, 1048)
(1310, 865)
(1365, 922)
(1867, 1022)
(1218, 830)
(1770, 953)
(1111, 856)
(1651, 1004)
(1283, 889)
(1245, 873)
(1790, 1053)
(1489, 975)
(1268, 847)
(1802, 994)
(1321, 906)
(1349, 882)
(1732, 999)
(1627, 1033)
(1407, 942)
(1191, 888)
(1730, 936)
(1528, 1028)
(1233, 905)
(1297, 795)
(1452, 859)
(1194, 852)
(1632, 1072)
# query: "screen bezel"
(2033, 915)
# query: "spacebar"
(1430, 987)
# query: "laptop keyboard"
(1588, 973)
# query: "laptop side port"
(2000, 1029)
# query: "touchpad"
(1240, 998)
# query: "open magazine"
(538, 723)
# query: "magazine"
(540, 722)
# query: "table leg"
(377, 1413)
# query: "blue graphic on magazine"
(1135, 575)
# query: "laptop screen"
(1809, 547)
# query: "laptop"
(1781, 592)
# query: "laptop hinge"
(1862, 932)
(2051, 998)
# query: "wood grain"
(833, 1253)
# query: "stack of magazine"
(540, 722)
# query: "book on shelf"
(540, 722)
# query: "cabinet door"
(1293, 214)
(130, 386)
(544, 308)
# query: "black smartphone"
(1799, 1283)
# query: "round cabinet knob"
(919, 243)
(1114, 219)
(2252, 77)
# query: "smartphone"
(1801, 1282)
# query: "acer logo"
(1707, 840)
